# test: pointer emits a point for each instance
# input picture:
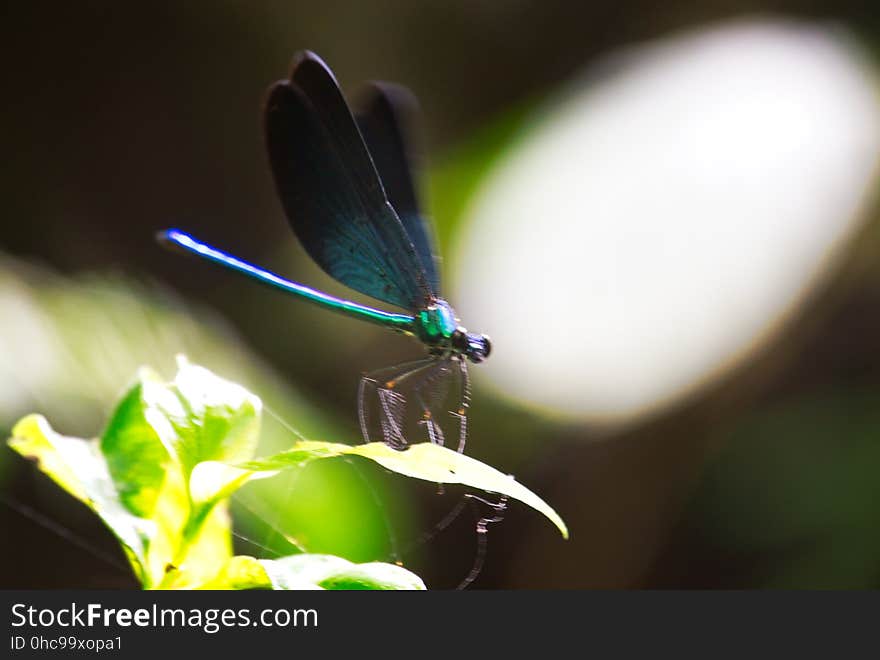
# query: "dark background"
(121, 118)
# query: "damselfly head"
(474, 347)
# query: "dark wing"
(385, 118)
(331, 192)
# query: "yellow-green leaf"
(78, 466)
(312, 571)
(425, 461)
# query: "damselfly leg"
(414, 402)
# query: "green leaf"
(173, 453)
(311, 571)
(202, 417)
(137, 476)
(89, 334)
(425, 461)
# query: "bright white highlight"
(663, 218)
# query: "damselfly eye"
(487, 346)
(478, 347)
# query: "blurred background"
(665, 219)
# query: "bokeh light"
(668, 214)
